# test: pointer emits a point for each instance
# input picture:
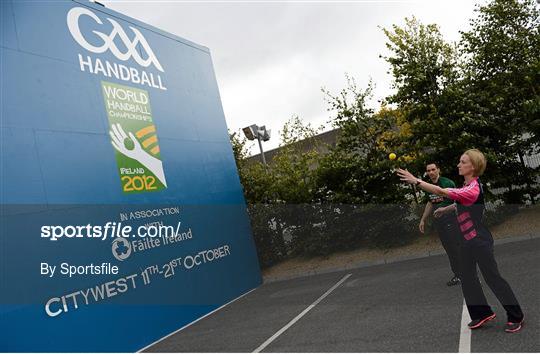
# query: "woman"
(477, 243)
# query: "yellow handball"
(392, 156)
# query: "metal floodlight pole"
(262, 151)
(260, 133)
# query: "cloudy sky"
(271, 58)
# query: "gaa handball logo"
(108, 39)
(121, 249)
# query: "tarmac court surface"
(398, 307)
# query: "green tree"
(502, 85)
(422, 64)
(481, 93)
(367, 206)
(279, 197)
(424, 67)
(289, 176)
(256, 182)
(240, 151)
(358, 170)
(294, 166)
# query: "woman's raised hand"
(406, 176)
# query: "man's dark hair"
(433, 163)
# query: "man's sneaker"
(454, 281)
(480, 322)
(513, 327)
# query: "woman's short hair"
(478, 160)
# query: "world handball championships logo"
(108, 44)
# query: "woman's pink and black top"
(470, 211)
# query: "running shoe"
(513, 327)
(480, 322)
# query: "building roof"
(322, 140)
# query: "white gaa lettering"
(108, 40)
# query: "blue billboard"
(123, 217)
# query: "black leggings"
(483, 255)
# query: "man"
(445, 223)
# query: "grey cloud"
(272, 58)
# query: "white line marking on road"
(465, 335)
(197, 320)
(294, 320)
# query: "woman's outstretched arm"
(408, 177)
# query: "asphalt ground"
(398, 307)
